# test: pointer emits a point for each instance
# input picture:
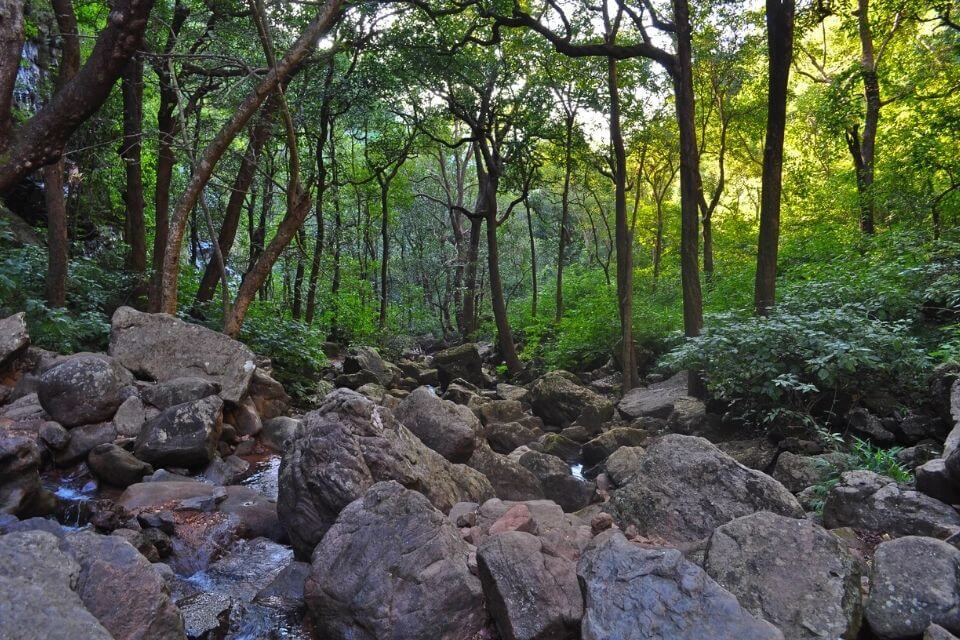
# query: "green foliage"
(94, 287)
(883, 461)
(294, 349)
(793, 358)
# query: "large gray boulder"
(38, 597)
(392, 567)
(450, 429)
(162, 347)
(797, 473)
(117, 466)
(866, 500)
(14, 338)
(792, 573)
(83, 440)
(121, 588)
(559, 401)
(168, 393)
(531, 593)
(462, 361)
(654, 401)
(342, 449)
(185, 435)
(367, 360)
(914, 584)
(84, 389)
(685, 487)
(20, 491)
(509, 479)
(637, 593)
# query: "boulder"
(168, 393)
(914, 584)
(346, 446)
(452, 430)
(161, 347)
(559, 401)
(866, 500)
(597, 450)
(393, 567)
(511, 392)
(623, 465)
(557, 445)
(562, 535)
(792, 573)
(116, 466)
(14, 338)
(83, 440)
(367, 360)
(130, 417)
(278, 432)
(225, 471)
(556, 481)
(120, 587)
(20, 490)
(53, 435)
(686, 487)
(868, 426)
(497, 411)
(690, 417)
(25, 410)
(269, 397)
(504, 437)
(84, 389)
(933, 479)
(654, 401)
(38, 597)
(797, 473)
(154, 496)
(243, 417)
(936, 632)
(509, 479)
(462, 361)
(531, 594)
(185, 435)
(636, 593)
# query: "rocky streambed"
(166, 489)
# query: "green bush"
(793, 358)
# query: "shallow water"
(576, 470)
(265, 477)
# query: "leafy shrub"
(93, 288)
(793, 358)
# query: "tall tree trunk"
(336, 334)
(533, 261)
(470, 279)
(58, 242)
(488, 187)
(780, 15)
(318, 241)
(385, 246)
(130, 153)
(221, 142)
(167, 129)
(871, 95)
(41, 140)
(238, 193)
(624, 237)
(11, 44)
(261, 269)
(658, 244)
(690, 187)
(297, 307)
(564, 214)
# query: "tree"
(780, 19)
(41, 139)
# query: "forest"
(685, 272)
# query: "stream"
(227, 588)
